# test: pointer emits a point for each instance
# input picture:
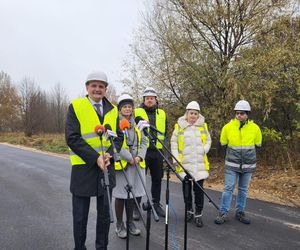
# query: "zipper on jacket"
(241, 139)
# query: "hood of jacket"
(183, 123)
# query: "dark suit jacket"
(87, 179)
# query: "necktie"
(98, 108)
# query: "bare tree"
(111, 93)
(57, 111)
(33, 106)
(187, 49)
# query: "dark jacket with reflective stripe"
(86, 179)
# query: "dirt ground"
(277, 186)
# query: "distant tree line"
(25, 107)
(220, 51)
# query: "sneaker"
(198, 217)
(221, 218)
(136, 214)
(121, 230)
(190, 215)
(240, 216)
(133, 229)
(198, 220)
(158, 208)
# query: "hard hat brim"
(96, 80)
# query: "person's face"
(96, 90)
(241, 116)
(126, 110)
(150, 101)
(192, 116)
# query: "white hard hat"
(242, 105)
(124, 99)
(193, 105)
(149, 91)
(97, 76)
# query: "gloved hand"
(143, 124)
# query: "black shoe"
(190, 215)
(84, 248)
(136, 214)
(158, 208)
(240, 216)
(198, 217)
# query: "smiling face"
(96, 90)
(126, 110)
(150, 101)
(192, 116)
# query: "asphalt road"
(36, 213)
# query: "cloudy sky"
(54, 41)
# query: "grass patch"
(48, 142)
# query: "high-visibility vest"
(88, 120)
(241, 142)
(160, 123)
(124, 162)
(180, 139)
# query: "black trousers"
(154, 162)
(81, 206)
(187, 194)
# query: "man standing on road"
(154, 161)
(240, 137)
(88, 160)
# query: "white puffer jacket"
(193, 150)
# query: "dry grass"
(47, 142)
(268, 183)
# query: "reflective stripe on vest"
(88, 120)
(180, 142)
(160, 123)
(118, 166)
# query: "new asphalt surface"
(36, 213)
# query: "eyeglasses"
(240, 113)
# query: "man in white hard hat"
(240, 136)
(154, 161)
(88, 160)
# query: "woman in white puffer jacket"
(190, 143)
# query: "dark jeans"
(81, 206)
(154, 162)
(199, 195)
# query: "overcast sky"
(55, 41)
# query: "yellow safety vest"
(180, 138)
(123, 162)
(160, 123)
(88, 120)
